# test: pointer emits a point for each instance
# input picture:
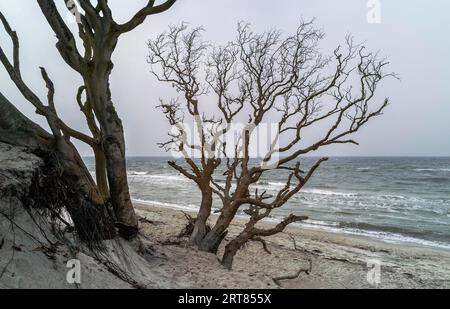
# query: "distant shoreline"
(406, 241)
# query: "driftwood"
(306, 270)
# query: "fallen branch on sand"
(296, 275)
(307, 270)
(319, 254)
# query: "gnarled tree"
(99, 34)
(313, 101)
(178, 54)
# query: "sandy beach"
(159, 258)
(337, 261)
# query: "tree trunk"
(214, 238)
(18, 130)
(232, 248)
(100, 173)
(200, 228)
(114, 147)
(113, 140)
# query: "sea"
(392, 199)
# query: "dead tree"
(313, 100)
(178, 54)
(99, 34)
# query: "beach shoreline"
(337, 260)
(326, 230)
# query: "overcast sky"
(413, 34)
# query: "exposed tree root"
(53, 197)
(189, 228)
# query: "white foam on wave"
(392, 238)
(277, 184)
(386, 237)
(321, 223)
(188, 207)
(365, 168)
(327, 192)
(134, 173)
(432, 169)
(169, 177)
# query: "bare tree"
(179, 54)
(313, 100)
(99, 34)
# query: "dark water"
(393, 199)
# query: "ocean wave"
(188, 207)
(425, 179)
(169, 177)
(277, 184)
(388, 237)
(328, 192)
(400, 230)
(365, 168)
(134, 173)
(432, 170)
(396, 197)
(321, 223)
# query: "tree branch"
(66, 42)
(139, 17)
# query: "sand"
(338, 261)
(159, 259)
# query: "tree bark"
(214, 238)
(232, 248)
(100, 173)
(18, 130)
(96, 79)
(200, 228)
